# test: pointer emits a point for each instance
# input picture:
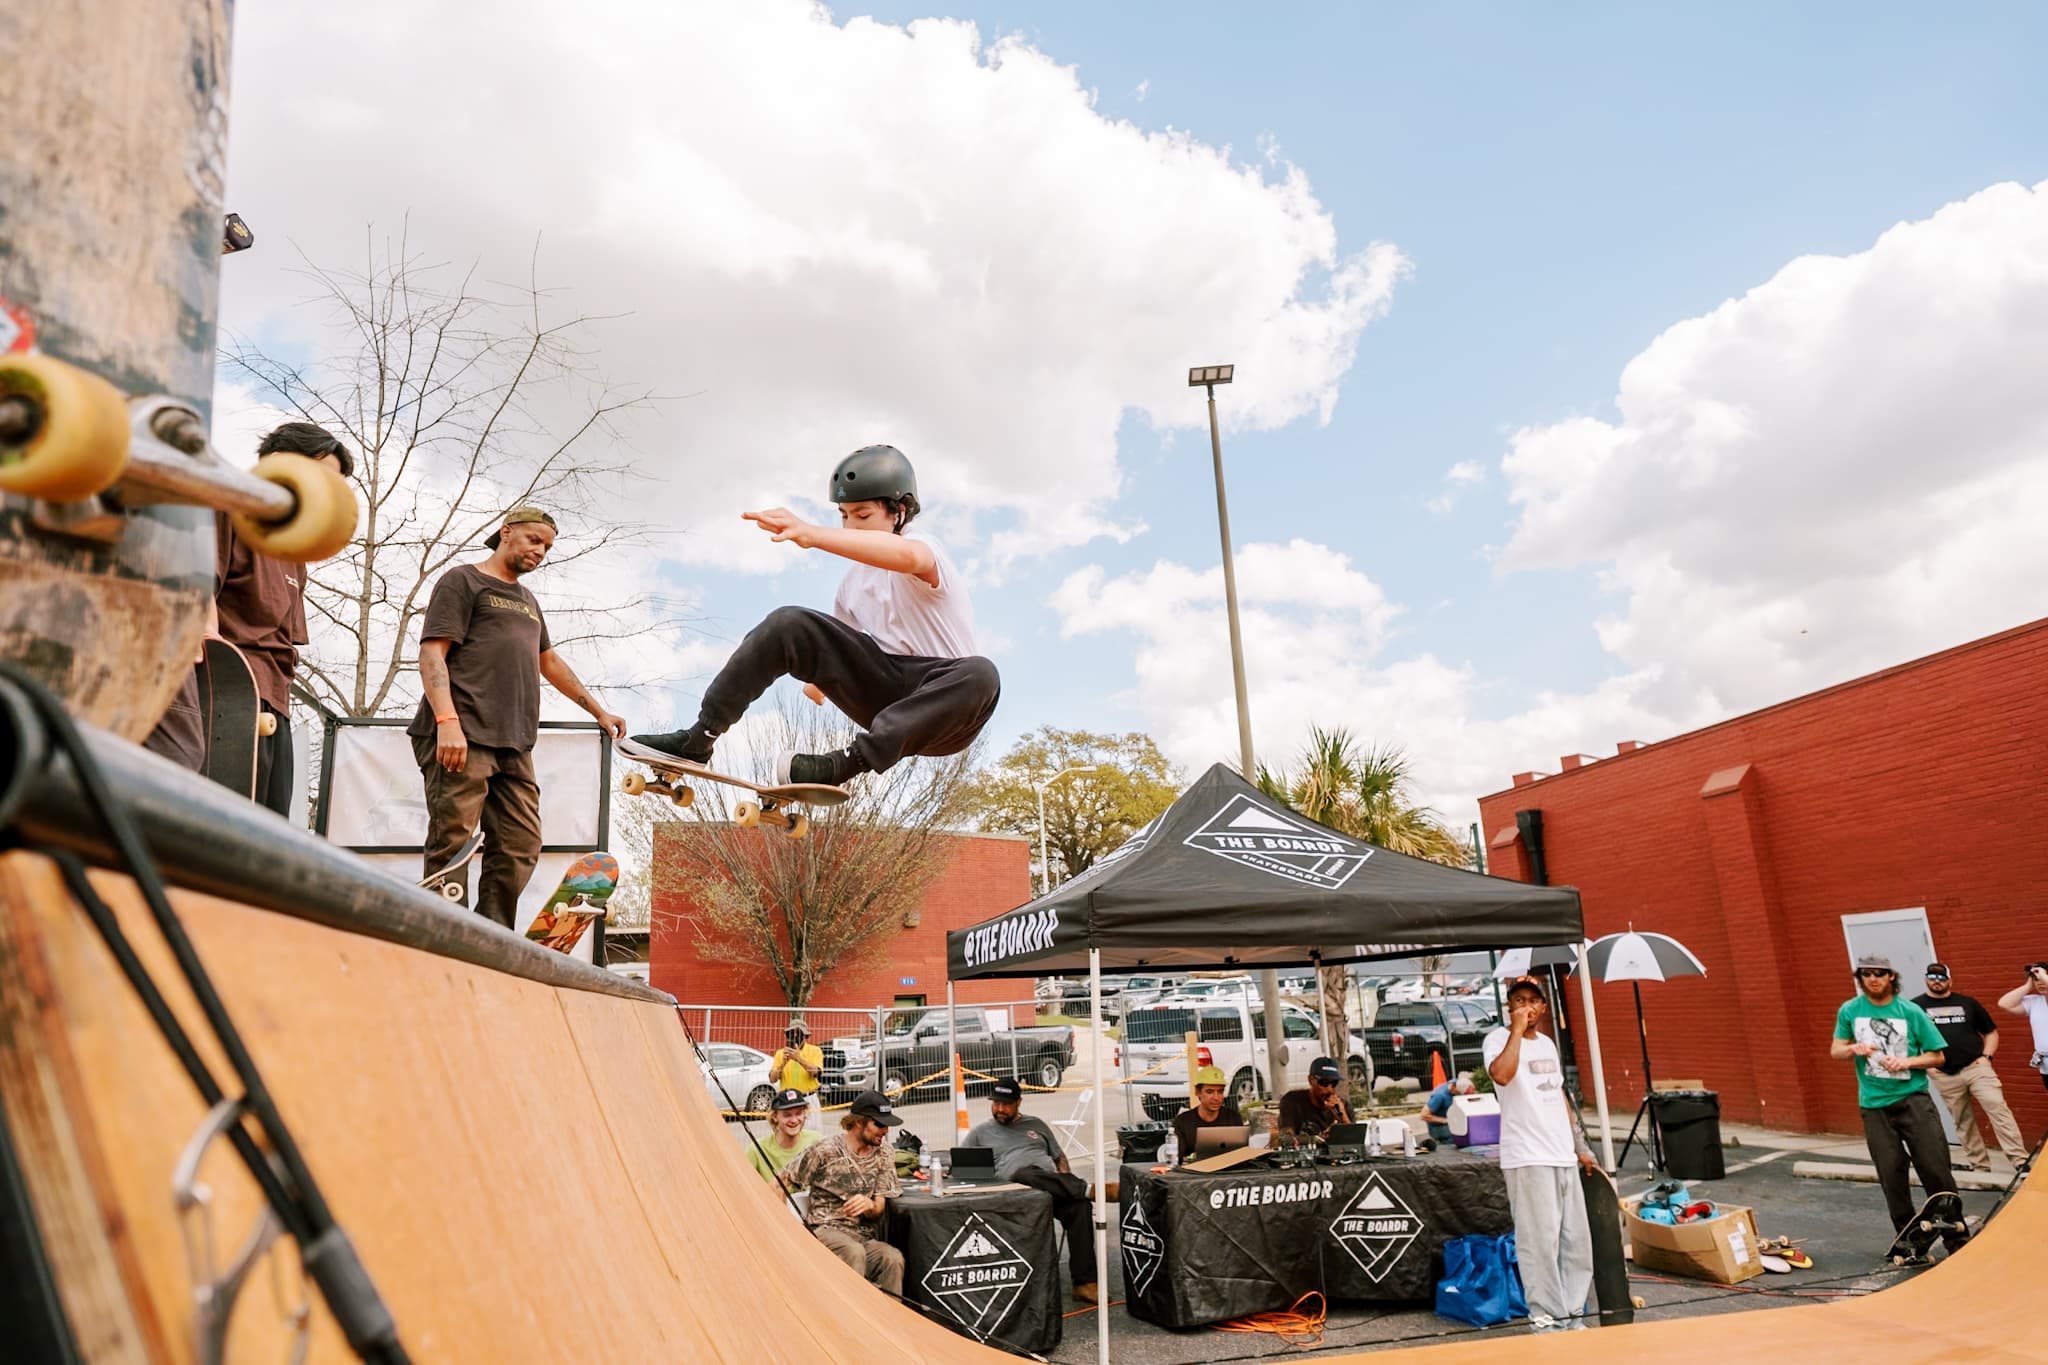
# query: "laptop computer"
(1347, 1137)
(1221, 1138)
(971, 1166)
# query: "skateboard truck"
(214, 1292)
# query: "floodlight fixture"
(1202, 375)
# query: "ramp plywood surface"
(533, 1173)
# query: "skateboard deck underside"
(228, 699)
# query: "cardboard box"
(1723, 1250)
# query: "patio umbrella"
(1635, 958)
(1516, 962)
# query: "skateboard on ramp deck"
(585, 888)
(1610, 1266)
(1940, 1216)
(672, 774)
(235, 717)
(464, 856)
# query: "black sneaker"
(830, 770)
(692, 745)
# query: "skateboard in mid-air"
(672, 774)
(585, 888)
(1941, 1216)
(235, 717)
(444, 879)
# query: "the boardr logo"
(1255, 834)
(979, 1278)
(1026, 933)
(1375, 1227)
(1143, 1251)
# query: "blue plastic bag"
(1482, 1284)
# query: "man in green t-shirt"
(1894, 1044)
(787, 1137)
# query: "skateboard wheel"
(1638, 1301)
(632, 784)
(322, 523)
(798, 827)
(266, 724)
(451, 891)
(746, 814)
(683, 797)
(79, 442)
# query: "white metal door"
(1902, 936)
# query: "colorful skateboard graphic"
(589, 882)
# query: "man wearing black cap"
(2029, 1000)
(484, 649)
(1028, 1153)
(1309, 1114)
(1965, 1075)
(787, 1138)
(1894, 1045)
(852, 1178)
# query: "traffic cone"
(960, 1090)
(1436, 1069)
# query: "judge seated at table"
(1028, 1154)
(1308, 1115)
(1210, 1110)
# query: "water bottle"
(1169, 1150)
(1407, 1141)
(930, 1168)
(1372, 1138)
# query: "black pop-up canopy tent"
(1229, 877)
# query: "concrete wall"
(1921, 786)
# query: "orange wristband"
(443, 720)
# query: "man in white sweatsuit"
(1539, 1145)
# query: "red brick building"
(988, 874)
(1753, 840)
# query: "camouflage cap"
(518, 516)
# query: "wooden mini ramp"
(535, 1173)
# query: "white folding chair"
(1068, 1129)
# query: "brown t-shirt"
(1301, 1114)
(494, 662)
(262, 605)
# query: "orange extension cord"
(1292, 1324)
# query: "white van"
(1230, 1034)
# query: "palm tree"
(1361, 791)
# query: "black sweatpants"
(274, 761)
(908, 705)
(1074, 1211)
(1909, 1127)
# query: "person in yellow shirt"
(796, 1065)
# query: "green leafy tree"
(1086, 815)
(1361, 791)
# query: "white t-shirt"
(2036, 1006)
(1535, 1124)
(907, 615)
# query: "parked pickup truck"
(1403, 1036)
(914, 1045)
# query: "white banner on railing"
(376, 798)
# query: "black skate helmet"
(878, 474)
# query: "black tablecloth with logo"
(1199, 1248)
(985, 1262)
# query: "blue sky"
(1565, 184)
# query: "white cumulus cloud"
(822, 233)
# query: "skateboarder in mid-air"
(896, 654)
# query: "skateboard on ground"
(585, 887)
(464, 856)
(1610, 1266)
(1940, 1216)
(235, 717)
(671, 774)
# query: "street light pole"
(1208, 377)
(1044, 864)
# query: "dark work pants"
(908, 705)
(1075, 1212)
(274, 765)
(1909, 1127)
(497, 787)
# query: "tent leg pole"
(956, 1085)
(1649, 1085)
(1101, 1166)
(1593, 1052)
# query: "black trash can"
(1141, 1141)
(1690, 1121)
